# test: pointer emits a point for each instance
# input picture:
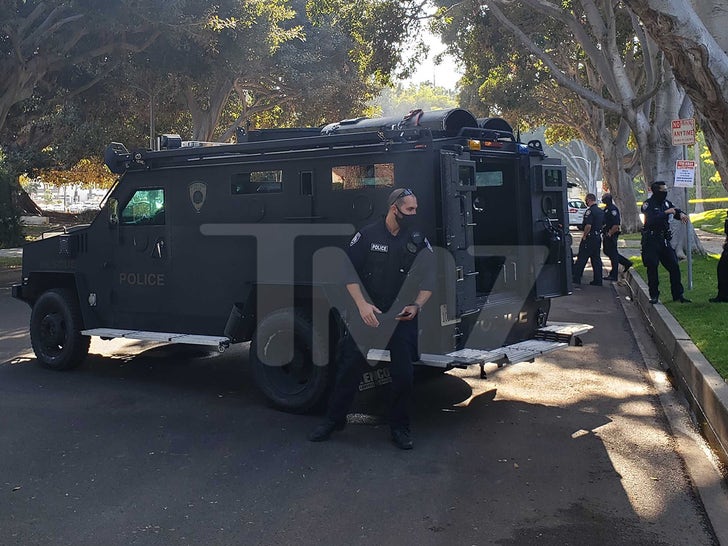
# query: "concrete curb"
(704, 388)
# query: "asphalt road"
(172, 445)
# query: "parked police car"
(221, 244)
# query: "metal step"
(510, 354)
(221, 343)
(565, 332)
(478, 356)
(554, 336)
(436, 361)
(530, 349)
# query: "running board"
(221, 343)
(556, 335)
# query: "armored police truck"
(215, 244)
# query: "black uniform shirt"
(611, 217)
(656, 221)
(382, 261)
(594, 217)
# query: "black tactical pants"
(589, 249)
(352, 364)
(609, 246)
(657, 250)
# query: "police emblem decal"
(198, 194)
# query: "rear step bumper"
(556, 335)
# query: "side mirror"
(113, 212)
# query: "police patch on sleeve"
(355, 239)
(614, 213)
(587, 213)
(645, 206)
(429, 246)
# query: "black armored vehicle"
(215, 244)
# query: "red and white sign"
(684, 173)
(683, 132)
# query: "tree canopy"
(83, 73)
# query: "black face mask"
(659, 196)
(406, 221)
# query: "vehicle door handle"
(158, 251)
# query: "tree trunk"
(616, 177)
(205, 119)
(714, 15)
(700, 64)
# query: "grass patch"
(706, 323)
(710, 220)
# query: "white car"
(577, 208)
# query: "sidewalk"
(11, 252)
(704, 389)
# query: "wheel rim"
(287, 376)
(53, 334)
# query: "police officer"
(722, 296)
(591, 242)
(656, 247)
(612, 222)
(391, 278)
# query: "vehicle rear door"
(457, 174)
(493, 222)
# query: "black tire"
(55, 330)
(288, 375)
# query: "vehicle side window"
(488, 174)
(354, 177)
(146, 207)
(553, 178)
(256, 182)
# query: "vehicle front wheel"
(289, 361)
(55, 330)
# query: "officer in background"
(722, 296)
(590, 247)
(612, 224)
(388, 287)
(656, 247)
